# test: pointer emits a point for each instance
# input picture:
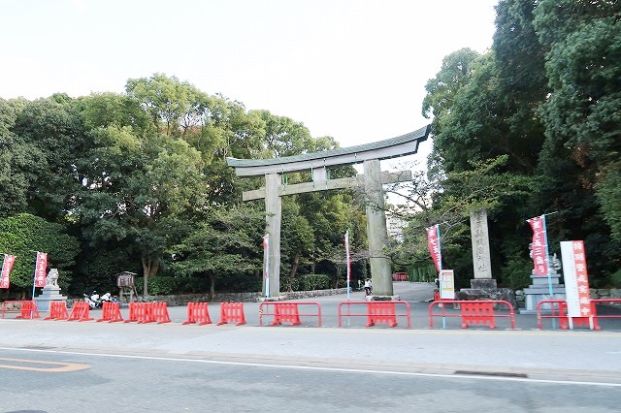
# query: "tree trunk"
(294, 266)
(150, 268)
(212, 286)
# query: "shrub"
(315, 282)
(158, 285)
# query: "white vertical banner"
(576, 279)
(447, 285)
(266, 260)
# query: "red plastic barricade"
(198, 313)
(473, 312)
(159, 312)
(558, 309)
(142, 313)
(376, 312)
(477, 313)
(232, 313)
(80, 312)
(381, 312)
(58, 311)
(111, 312)
(288, 312)
(29, 310)
(133, 312)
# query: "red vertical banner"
(7, 267)
(40, 269)
(539, 246)
(433, 243)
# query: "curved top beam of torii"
(389, 148)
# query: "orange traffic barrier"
(159, 312)
(29, 310)
(286, 313)
(381, 312)
(58, 311)
(472, 312)
(198, 313)
(289, 311)
(375, 312)
(80, 312)
(111, 312)
(232, 313)
(145, 313)
(133, 312)
(477, 313)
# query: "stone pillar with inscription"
(481, 259)
(483, 286)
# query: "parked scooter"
(96, 301)
(93, 300)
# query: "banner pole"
(34, 282)
(266, 242)
(348, 268)
(439, 246)
(550, 288)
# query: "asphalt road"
(148, 384)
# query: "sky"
(352, 69)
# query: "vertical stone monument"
(51, 292)
(483, 286)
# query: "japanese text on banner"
(7, 267)
(538, 246)
(40, 269)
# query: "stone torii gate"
(370, 155)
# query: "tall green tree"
(23, 235)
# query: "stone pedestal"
(540, 290)
(486, 289)
(49, 293)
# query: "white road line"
(316, 368)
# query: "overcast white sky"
(352, 69)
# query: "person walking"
(368, 286)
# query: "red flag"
(433, 243)
(7, 267)
(539, 246)
(41, 269)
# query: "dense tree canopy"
(546, 97)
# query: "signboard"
(539, 246)
(576, 279)
(447, 285)
(433, 243)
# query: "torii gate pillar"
(273, 212)
(376, 229)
